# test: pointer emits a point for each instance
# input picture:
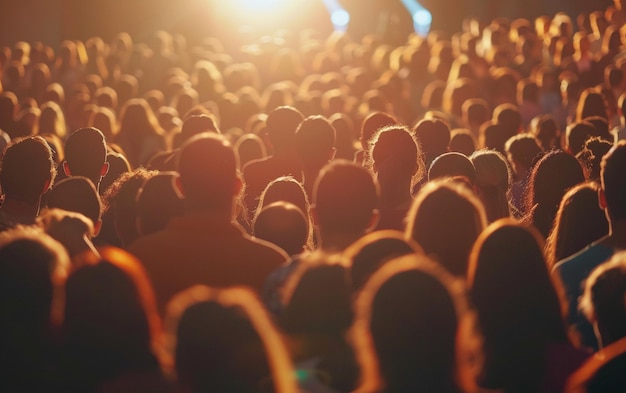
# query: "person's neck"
(397, 195)
(20, 212)
(193, 210)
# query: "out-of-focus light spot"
(422, 18)
(340, 18)
(258, 5)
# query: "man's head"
(27, 169)
(345, 199)
(86, 155)
(208, 173)
(315, 141)
(77, 194)
(614, 182)
(282, 123)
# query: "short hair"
(197, 124)
(345, 196)
(373, 122)
(604, 296)
(27, 165)
(315, 139)
(452, 165)
(576, 134)
(523, 148)
(76, 194)
(281, 126)
(445, 219)
(493, 180)
(283, 224)
(433, 136)
(208, 170)
(613, 181)
(157, 203)
(86, 153)
(509, 117)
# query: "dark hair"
(445, 219)
(405, 333)
(86, 153)
(345, 196)
(76, 194)
(434, 138)
(208, 171)
(26, 167)
(452, 165)
(283, 224)
(613, 184)
(578, 222)
(577, 134)
(551, 177)
(157, 203)
(493, 181)
(519, 309)
(315, 139)
(282, 123)
(225, 341)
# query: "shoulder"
(588, 257)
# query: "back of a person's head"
(317, 298)
(475, 112)
(110, 321)
(509, 117)
(591, 156)
(27, 167)
(374, 122)
(208, 171)
(315, 141)
(578, 222)
(523, 149)
(604, 297)
(118, 165)
(395, 155)
(493, 136)
(462, 141)
(591, 103)
(86, 154)
(157, 203)
(445, 219)
(455, 165)
(287, 189)
(613, 182)
(554, 174)
(197, 124)
(283, 224)
(407, 323)
(373, 250)
(282, 123)
(544, 127)
(576, 134)
(493, 179)
(76, 194)
(345, 197)
(33, 268)
(602, 127)
(433, 136)
(519, 309)
(225, 342)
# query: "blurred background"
(51, 21)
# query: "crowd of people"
(317, 214)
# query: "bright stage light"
(340, 19)
(422, 18)
(257, 5)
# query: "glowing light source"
(339, 17)
(258, 5)
(422, 18)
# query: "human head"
(462, 141)
(281, 125)
(545, 129)
(372, 251)
(613, 183)
(283, 224)
(576, 134)
(454, 165)
(86, 155)
(408, 318)
(395, 156)
(578, 222)
(198, 124)
(315, 141)
(518, 307)
(522, 150)
(157, 203)
(27, 169)
(345, 199)
(493, 181)
(603, 301)
(445, 219)
(222, 340)
(77, 194)
(434, 138)
(208, 173)
(509, 117)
